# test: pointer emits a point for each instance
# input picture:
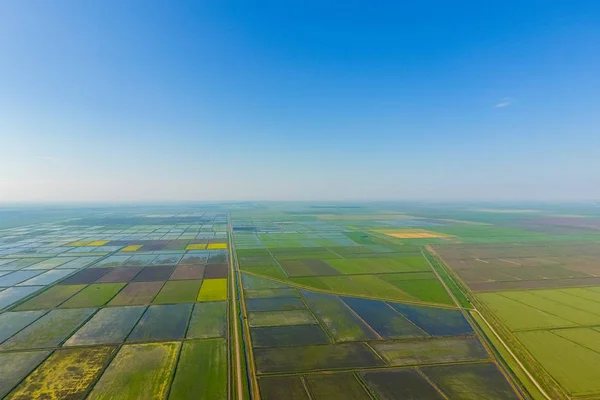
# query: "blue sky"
(162, 101)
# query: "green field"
(369, 301)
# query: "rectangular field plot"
(356, 285)
(47, 277)
(509, 266)
(184, 272)
(270, 293)
(435, 321)
(13, 322)
(138, 371)
(167, 259)
(430, 351)
(16, 366)
(308, 267)
(400, 384)
(386, 321)
(193, 258)
(109, 325)
(48, 331)
(428, 290)
(112, 262)
(574, 366)
(14, 278)
(215, 271)
(277, 318)
(254, 282)
(586, 337)
(154, 274)
(167, 322)
(79, 262)
(89, 275)
(563, 308)
(213, 290)
(341, 323)
(120, 274)
(353, 266)
(12, 295)
(519, 316)
(50, 298)
(294, 335)
(201, 371)
(178, 292)
(330, 386)
(275, 304)
(471, 381)
(282, 387)
(139, 260)
(137, 293)
(49, 263)
(209, 320)
(315, 358)
(65, 374)
(93, 295)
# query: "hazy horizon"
(129, 102)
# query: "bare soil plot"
(154, 274)
(89, 275)
(120, 274)
(137, 293)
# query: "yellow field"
(217, 246)
(97, 243)
(79, 243)
(199, 246)
(213, 290)
(66, 374)
(365, 217)
(133, 247)
(412, 234)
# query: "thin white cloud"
(505, 102)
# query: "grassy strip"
(234, 312)
(244, 364)
(507, 359)
(448, 280)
